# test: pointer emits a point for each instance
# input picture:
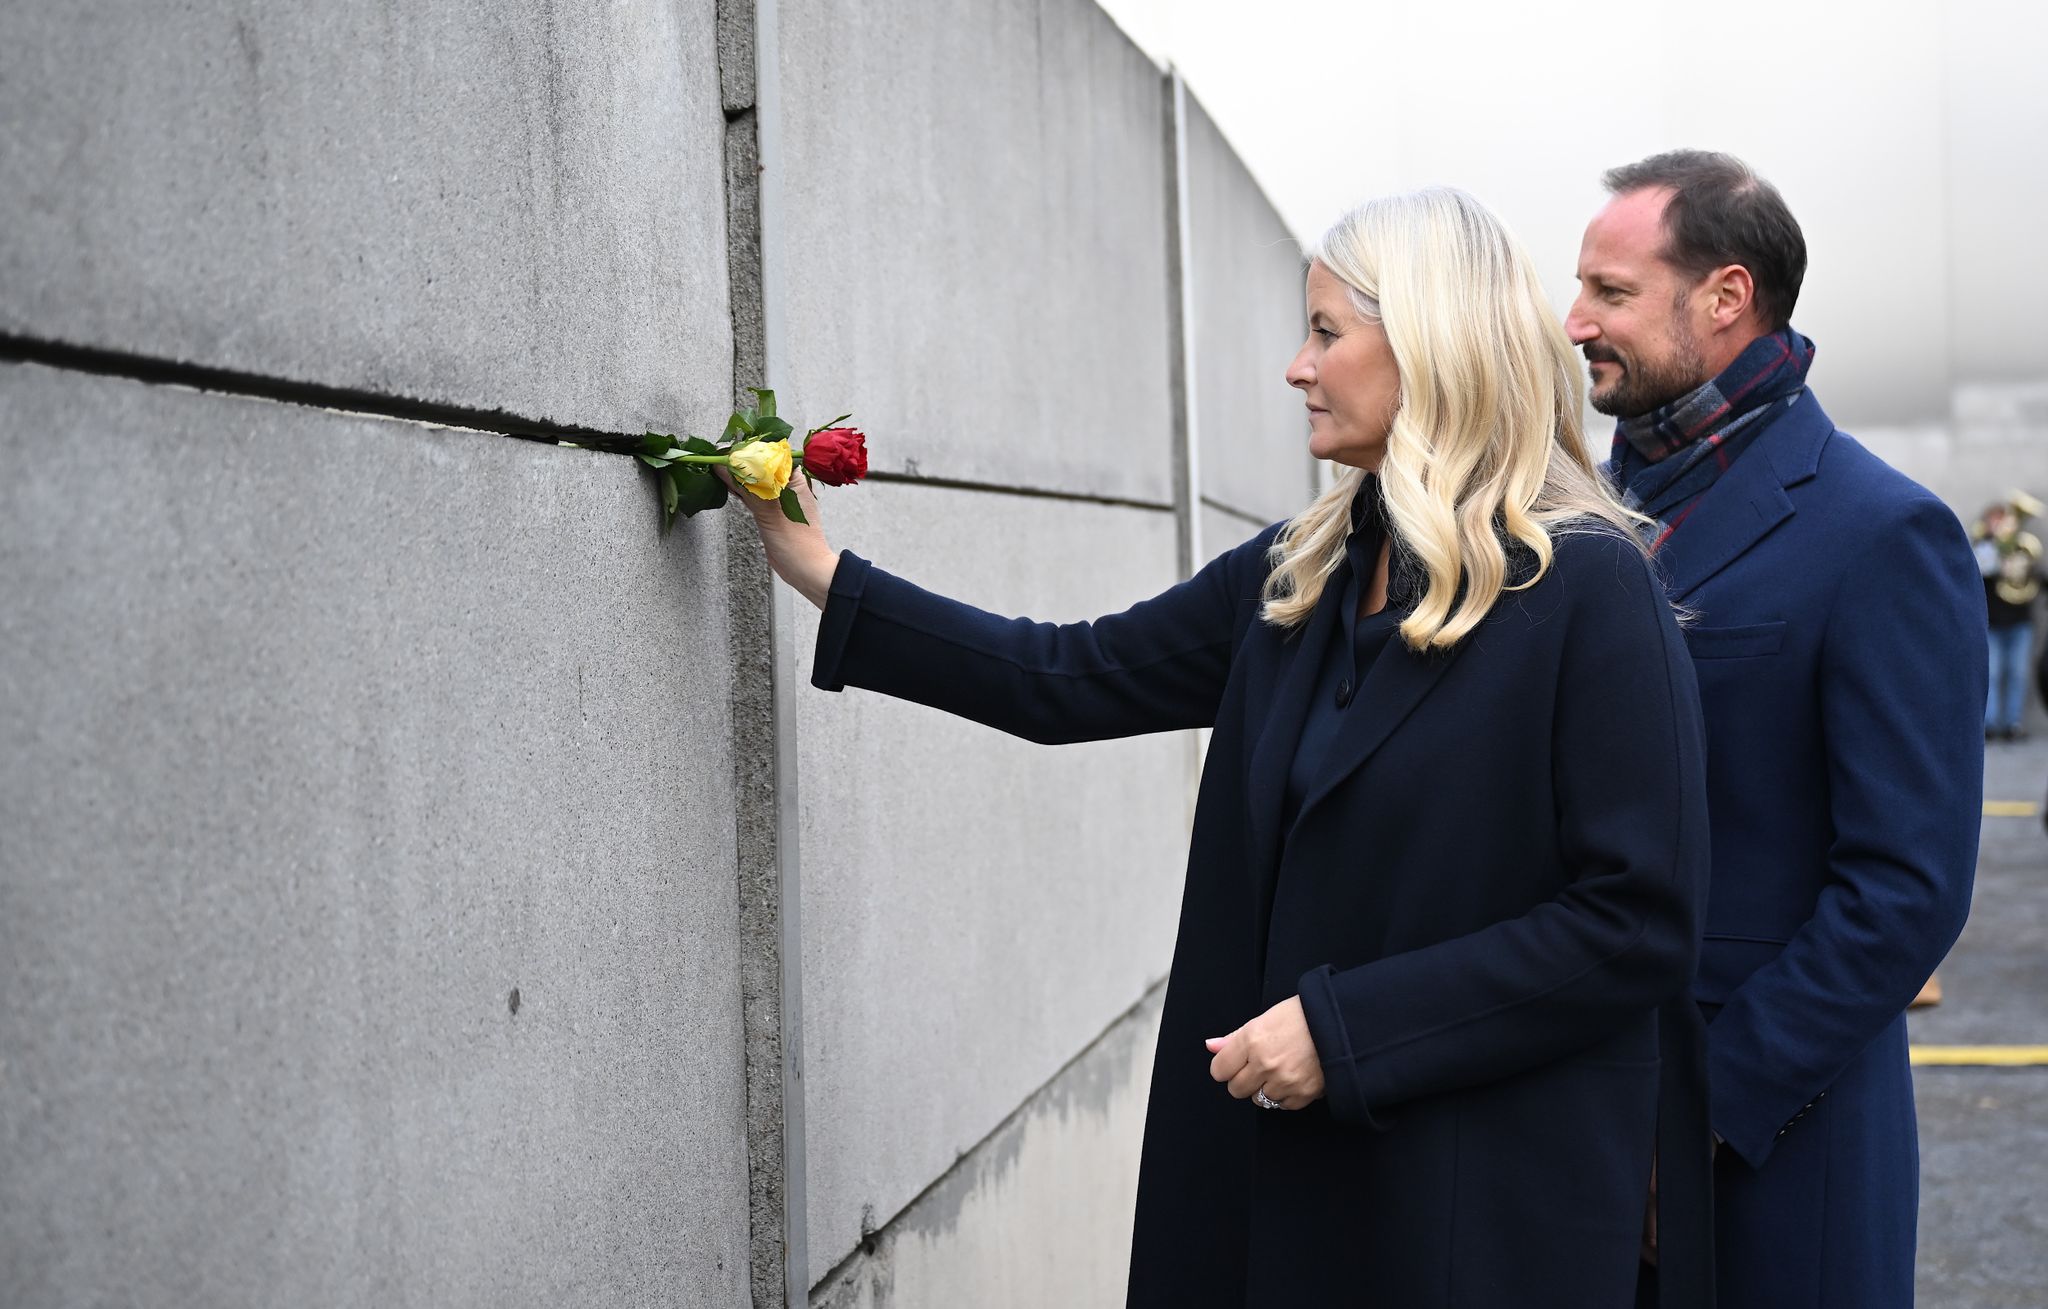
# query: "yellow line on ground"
(2011, 809)
(1981, 1056)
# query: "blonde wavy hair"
(1486, 445)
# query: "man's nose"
(1578, 326)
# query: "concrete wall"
(367, 932)
(978, 227)
(978, 240)
(509, 207)
(1065, 1162)
(979, 911)
(1246, 272)
(334, 716)
(323, 734)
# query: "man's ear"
(1730, 293)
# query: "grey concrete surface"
(976, 230)
(976, 908)
(1246, 275)
(1984, 1131)
(512, 207)
(1223, 531)
(367, 913)
(1037, 1214)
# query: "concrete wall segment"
(320, 735)
(1246, 278)
(510, 207)
(1040, 1213)
(977, 248)
(976, 908)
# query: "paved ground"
(1984, 1131)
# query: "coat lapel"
(1273, 745)
(1397, 682)
(1749, 500)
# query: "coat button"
(1344, 693)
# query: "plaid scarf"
(1665, 460)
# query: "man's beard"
(1643, 387)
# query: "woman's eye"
(1325, 333)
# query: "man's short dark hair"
(1721, 213)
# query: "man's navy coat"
(1489, 902)
(1840, 645)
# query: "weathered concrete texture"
(976, 908)
(1225, 531)
(367, 924)
(1039, 1214)
(516, 208)
(1247, 282)
(975, 229)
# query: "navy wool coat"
(1488, 900)
(1839, 640)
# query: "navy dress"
(1482, 872)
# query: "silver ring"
(1264, 1101)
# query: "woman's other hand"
(1272, 1053)
(796, 551)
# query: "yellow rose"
(763, 468)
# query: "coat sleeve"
(1157, 666)
(1621, 938)
(1902, 686)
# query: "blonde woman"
(1448, 856)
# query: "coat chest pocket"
(1747, 642)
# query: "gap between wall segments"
(209, 380)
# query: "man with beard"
(1837, 630)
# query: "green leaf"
(699, 489)
(697, 445)
(772, 429)
(822, 426)
(652, 462)
(767, 400)
(735, 428)
(791, 510)
(670, 498)
(654, 443)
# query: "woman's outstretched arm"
(1158, 666)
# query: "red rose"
(837, 456)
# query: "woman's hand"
(1272, 1053)
(796, 551)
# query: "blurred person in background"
(1838, 639)
(1427, 1019)
(2009, 557)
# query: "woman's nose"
(1299, 373)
